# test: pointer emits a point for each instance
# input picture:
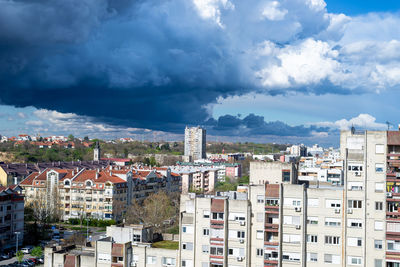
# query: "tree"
(20, 256)
(86, 138)
(37, 252)
(71, 137)
(154, 210)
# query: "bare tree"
(40, 209)
(154, 210)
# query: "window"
(271, 202)
(240, 234)
(286, 176)
(354, 241)
(217, 251)
(355, 204)
(260, 234)
(136, 238)
(290, 256)
(356, 223)
(354, 260)
(329, 258)
(378, 225)
(313, 202)
(378, 205)
(184, 229)
(379, 187)
(206, 231)
(333, 203)
(169, 261)
(260, 252)
(218, 215)
(289, 238)
(312, 257)
(312, 238)
(312, 220)
(206, 214)
(355, 168)
(378, 244)
(379, 149)
(379, 167)
(187, 246)
(291, 220)
(332, 222)
(205, 248)
(378, 263)
(355, 186)
(151, 260)
(260, 199)
(260, 216)
(332, 240)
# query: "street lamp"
(16, 243)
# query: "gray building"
(195, 143)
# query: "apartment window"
(355, 168)
(206, 214)
(354, 241)
(260, 199)
(260, 216)
(206, 231)
(290, 256)
(291, 220)
(271, 202)
(355, 204)
(313, 202)
(378, 225)
(290, 238)
(379, 149)
(151, 260)
(312, 257)
(379, 187)
(312, 238)
(218, 216)
(378, 205)
(136, 238)
(355, 186)
(356, 223)
(205, 264)
(354, 260)
(260, 252)
(187, 246)
(378, 263)
(329, 258)
(205, 248)
(286, 176)
(240, 234)
(184, 229)
(333, 203)
(168, 261)
(217, 251)
(312, 220)
(332, 240)
(378, 244)
(379, 167)
(332, 222)
(296, 203)
(260, 234)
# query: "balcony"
(271, 227)
(272, 209)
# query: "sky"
(290, 71)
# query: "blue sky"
(260, 70)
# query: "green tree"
(20, 256)
(71, 137)
(37, 252)
(86, 138)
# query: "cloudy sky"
(257, 70)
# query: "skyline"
(287, 71)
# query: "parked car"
(26, 250)
(5, 256)
(29, 262)
(34, 260)
(40, 260)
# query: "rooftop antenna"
(388, 124)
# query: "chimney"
(97, 175)
(15, 180)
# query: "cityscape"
(199, 133)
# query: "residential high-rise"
(96, 152)
(195, 143)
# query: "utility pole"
(16, 243)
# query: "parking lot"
(14, 259)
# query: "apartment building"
(102, 194)
(112, 250)
(195, 143)
(200, 179)
(11, 217)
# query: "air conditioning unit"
(297, 209)
(298, 227)
(397, 174)
(239, 258)
(241, 241)
(242, 223)
(337, 211)
(349, 211)
(389, 194)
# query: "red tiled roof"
(103, 177)
(29, 180)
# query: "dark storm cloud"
(152, 64)
(253, 125)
